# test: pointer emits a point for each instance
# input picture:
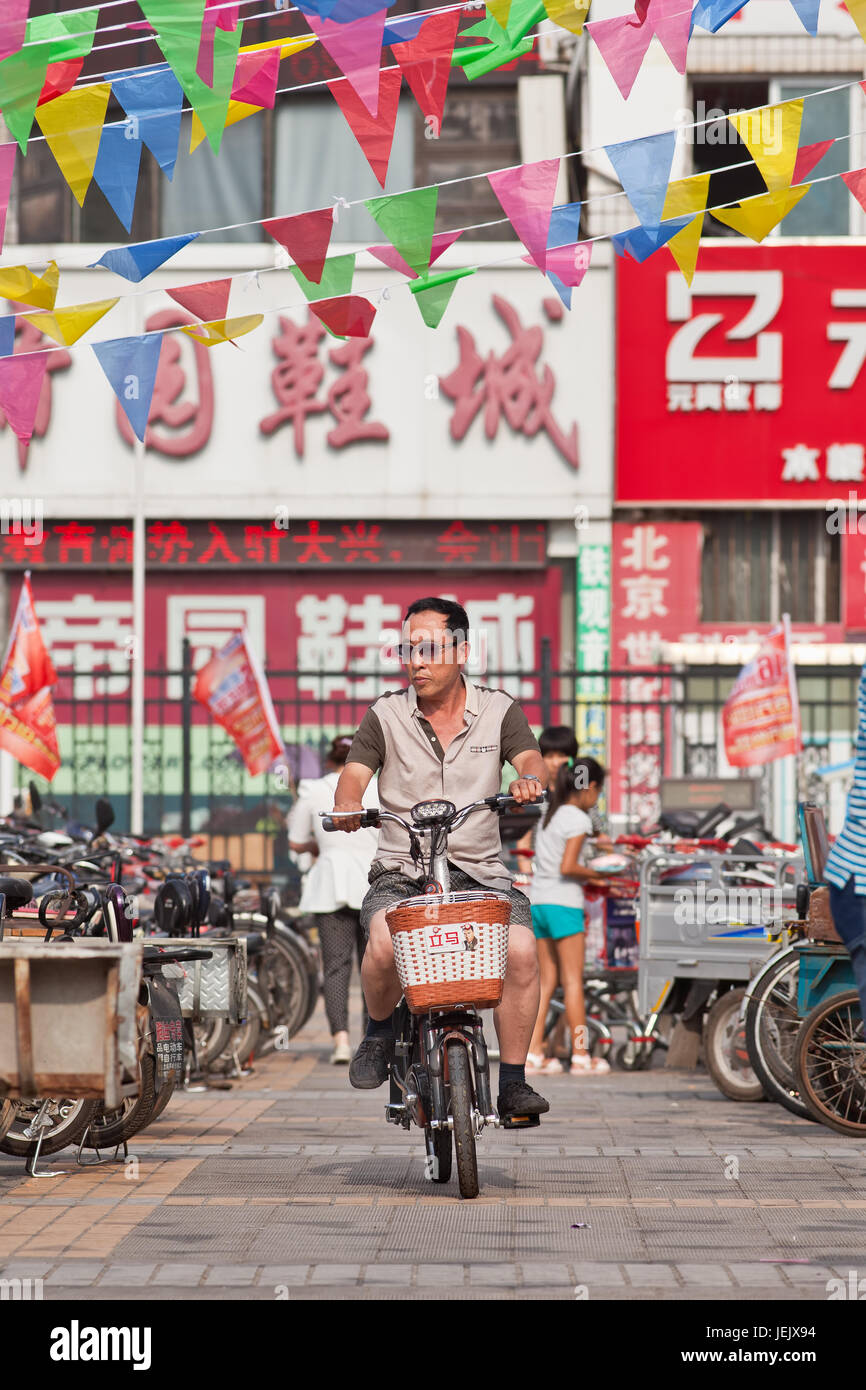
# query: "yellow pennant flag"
(772, 136)
(499, 10)
(222, 330)
(21, 285)
(72, 125)
(569, 14)
(685, 196)
(857, 11)
(757, 217)
(66, 326)
(239, 110)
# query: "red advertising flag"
(761, 717)
(233, 688)
(29, 733)
(27, 667)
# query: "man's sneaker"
(369, 1066)
(520, 1099)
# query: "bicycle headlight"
(426, 812)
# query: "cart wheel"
(725, 1049)
(830, 1063)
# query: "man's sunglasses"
(422, 651)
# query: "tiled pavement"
(291, 1186)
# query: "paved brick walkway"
(291, 1186)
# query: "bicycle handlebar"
(499, 802)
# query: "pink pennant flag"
(856, 181)
(347, 315)
(622, 43)
(13, 26)
(671, 23)
(526, 195)
(306, 237)
(217, 15)
(356, 48)
(568, 263)
(7, 168)
(256, 78)
(206, 301)
(21, 379)
(807, 157)
(390, 256)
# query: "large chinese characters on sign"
(750, 385)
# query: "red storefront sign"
(750, 385)
(320, 627)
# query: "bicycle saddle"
(17, 892)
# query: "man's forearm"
(349, 788)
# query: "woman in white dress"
(335, 886)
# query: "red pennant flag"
(206, 301)
(807, 158)
(60, 78)
(232, 686)
(27, 667)
(425, 62)
(306, 237)
(375, 134)
(349, 315)
(29, 733)
(21, 379)
(856, 181)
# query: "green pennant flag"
(407, 221)
(505, 44)
(50, 38)
(178, 25)
(336, 278)
(433, 293)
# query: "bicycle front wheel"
(460, 1079)
(830, 1063)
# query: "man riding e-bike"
(443, 737)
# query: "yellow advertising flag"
(66, 326)
(72, 125)
(685, 196)
(23, 287)
(757, 217)
(772, 137)
(568, 14)
(222, 330)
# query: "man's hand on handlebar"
(350, 813)
(526, 790)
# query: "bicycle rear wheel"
(830, 1063)
(460, 1080)
(772, 1026)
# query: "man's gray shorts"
(388, 886)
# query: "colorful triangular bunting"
(622, 42)
(66, 326)
(153, 102)
(23, 287)
(347, 316)
(207, 301)
(643, 167)
(13, 26)
(72, 126)
(425, 62)
(526, 194)
(336, 279)
(756, 217)
(807, 157)
(116, 170)
(7, 169)
(60, 78)
(568, 14)
(433, 293)
(356, 48)
(131, 364)
(407, 220)
(772, 137)
(21, 379)
(687, 197)
(222, 330)
(50, 38)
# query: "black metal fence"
(650, 723)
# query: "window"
(479, 132)
(825, 210)
(758, 565)
(210, 190)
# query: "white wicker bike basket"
(216, 988)
(451, 949)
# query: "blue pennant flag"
(643, 167)
(642, 242)
(807, 13)
(403, 28)
(137, 261)
(342, 11)
(564, 230)
(131, 365)
(116, 169)
(712, 15)
(7, 335)
(153, 102)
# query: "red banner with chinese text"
(232, 687)
(761, 716)
(27, 667)
(29, 733)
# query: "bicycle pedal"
(521, 1121)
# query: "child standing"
(556, 896)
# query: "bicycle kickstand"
(94, 1162)
(40, 1124)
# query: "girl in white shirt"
(556, 896)
(335, 886)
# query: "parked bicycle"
(450, 950)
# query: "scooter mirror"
(104, 815)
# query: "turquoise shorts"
(551, 922)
